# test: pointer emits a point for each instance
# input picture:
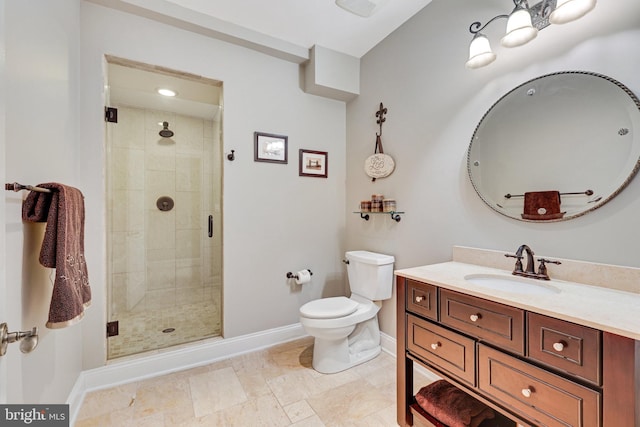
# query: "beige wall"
(434, 104)
(274, 220)
(41, 131)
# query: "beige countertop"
(609, 310)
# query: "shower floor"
(142, 331)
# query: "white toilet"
(346, 329)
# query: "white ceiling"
(306, 23)
(288, 26)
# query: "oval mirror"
(556, 147)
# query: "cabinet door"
(547, 399)
(492, 322)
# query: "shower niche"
(164, 208)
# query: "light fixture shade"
(364, 8)
(520, 29)
(570, 10)
(480, 53)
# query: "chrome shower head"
(166, 132)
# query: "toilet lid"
(329, 308)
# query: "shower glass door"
(164, 209)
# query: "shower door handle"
(210, 225)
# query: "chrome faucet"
(529, 271)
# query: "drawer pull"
(419, 298)
(435, 345)
(526, 392)
(474, 317)
(559, 346)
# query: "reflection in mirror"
(556, 147)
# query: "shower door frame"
(211, 257)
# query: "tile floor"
(271, 387)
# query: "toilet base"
(336, 355)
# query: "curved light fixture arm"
(539, 12)
(477, 26)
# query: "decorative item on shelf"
(365, 206)
(376, 202)
(388, 205)
(379, 165)
(379, 205)
(523, 24)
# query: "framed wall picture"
(269, 147)
(313, 163)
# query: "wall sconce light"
(523, 24)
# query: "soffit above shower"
(282, 28)
(134, 84)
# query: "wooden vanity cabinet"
(533, 369)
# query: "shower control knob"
(474, 317)
(165, 203)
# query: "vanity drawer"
(489, 321)
(442, 348)
(422, 299)
(545, 398)
(572, 348)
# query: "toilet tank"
(370, 274)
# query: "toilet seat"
(364, 310)
(329, 308)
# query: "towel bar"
(588, 193)
(14, 186)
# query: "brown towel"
(452, 406)
(542, 205)
(62, 249)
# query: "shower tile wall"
(163, 259)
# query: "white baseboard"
(388, 344)
(173, 360)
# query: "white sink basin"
(512, 284)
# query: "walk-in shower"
(164, 211)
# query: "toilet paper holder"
(290, 275)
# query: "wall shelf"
(394, 215)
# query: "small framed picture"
(313, 163)
(270, 148)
